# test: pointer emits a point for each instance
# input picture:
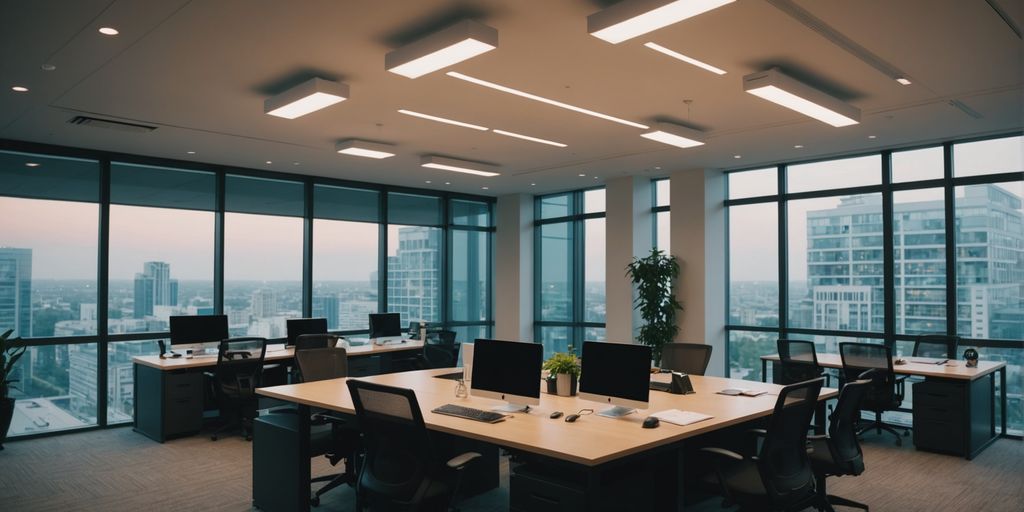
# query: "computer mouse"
(899, 362)
(651, 422)
(572, 417)
(556, 414)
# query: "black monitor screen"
(198, 329)
(383, 325)
(299, 326)
(507, 367)
(620, 370)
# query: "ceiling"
(200, 70)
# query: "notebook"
(678, 417)
(741, 391)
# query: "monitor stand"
(510, 408)
(616, 412)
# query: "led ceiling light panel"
(689, 60)
(531, 139)
(630, 18)
(676, 135)
(777, 87)
(364, 148)
(534, 97)
(444, 120)
(456, 165)
(456, 43)
(309, 96)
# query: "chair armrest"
(459, 461)
(760, 432)
(722, 452)
(324, 418)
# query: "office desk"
(169, 392)
(592, 444)
(949, 406)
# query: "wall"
(513, 268)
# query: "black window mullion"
(102, 294)
(783, 252)
(951, 232)
(382, 256)
(888, 249)
(218, 247)
(307, 251)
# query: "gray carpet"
(118, 469)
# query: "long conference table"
(592, 445)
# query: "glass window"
(920, 270)
(557, 339)
(759, 182)
(161, 264)
(143, 185)
(745, 351)
(827, 288)
(594, 270)
(471, 333)
(57, 387)
(262, 273)
(554, 206)
(121, 377)
(341, 203)
(556, 271)
(593, 201)
(989, 156)
(48, 252)
(918, 164)
(414, 273)
(264, 196)
(470, 213)
(661, 192)
(470, 293)
(754, 265)
(663, 231)
(48, 177)
(414, 210)
(829, 174)
(345, 273)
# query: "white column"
(628, 230)
(698, 243)
(513, 268)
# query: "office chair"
(341, 440)
(838, 453)
(440, 351)
(235, 378)
(689, 358)
(781, 476)
(798, 362)
(311, 341)
(939, 346)
(400, 467)
(886, 393)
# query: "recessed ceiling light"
(447, 183)
(595, 177)
(581, 175)
(872, 136)
(485, 188)
(533, 184)
(191, 152)
(903, 81)
(531, 139)
(456, 165)
(689, 60)
(363, 148)
(269, 162)
(19, 88)
(109, 31)
(777, 87)
(658, 167)
(429, 117)
(631, 18)
(737, 156)
(675, 135)
(48, 67)
(428, 181)
(32, 164)
(456, 43)
(309, 96)
(542, 99)
(295, 163)
(798, 146)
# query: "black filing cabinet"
(952, 416)
(168, 403)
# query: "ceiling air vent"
(111, 125)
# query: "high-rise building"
(16, 291)
(264, 303)
(414, 274)
(326, 306)
(154, 287)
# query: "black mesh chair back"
(440, 350)
(782, 461)
(322, 363)
(798, 361)
(239, 368)
(689, 358)
(842, 432)
(399, 457)
(859, 358)
(310, 341)
(938, 346)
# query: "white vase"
(563, 384)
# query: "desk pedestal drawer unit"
(167, 403)
(953, 417)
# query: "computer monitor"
(385, 325)
(299, 326)
(509, 371)
(616, 373)
(198, 329)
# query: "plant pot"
(6, 415)
(565, 384)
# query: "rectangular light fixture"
(689, 60)
(903, 80)
(456, 43)
(456, 165)
(630, 18)
(676, 135)
(309, 96)
(777, 87)
(534, 97)
(527, 137)
(429, 117)
(364, 148)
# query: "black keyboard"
(469, 413)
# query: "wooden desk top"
(180, 363)
(919, 366)
(591, 440)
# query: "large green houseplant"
(654, 275)
(10, 351)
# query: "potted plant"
(654, 275)
(563, 369)
(10, 351)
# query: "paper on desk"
(681, 417)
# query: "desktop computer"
(509, 371)
(196, 331)
(299, 326)
(385, 327)
(616, 373)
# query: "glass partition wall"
(97, 251)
